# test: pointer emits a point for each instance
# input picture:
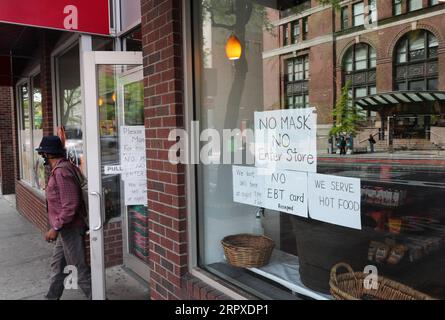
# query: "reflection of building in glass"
(392, 68)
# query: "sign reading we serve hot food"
(335, 200)
(286, 140)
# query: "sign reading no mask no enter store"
(73, 15)
(286, 140)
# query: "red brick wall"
(113, 244)
(7, 131)
(163, 73)
(32, 206)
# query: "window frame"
(397, 4)
(286, 38)
(354, 15)
(303, 61)
(295, 36)
(409, 6)
(28, 82)
(404, 42)
(345, 19)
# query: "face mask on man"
(45, 159)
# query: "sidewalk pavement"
(25, 260)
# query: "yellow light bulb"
(234, 49)
(113, 97)
(101, 102)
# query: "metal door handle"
(98, 195)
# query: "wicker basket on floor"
(350, 286)
(248, 251)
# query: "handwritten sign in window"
(286, 140)
(335, 200)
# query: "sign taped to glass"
(286, 139)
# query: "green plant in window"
(347, 115)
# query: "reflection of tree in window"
(134, 104)
(72, 114)
(70, 102)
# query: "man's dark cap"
(51, 145)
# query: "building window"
(358, 12)
(434, 2)
(414, 5)
(345, 18)
(286, 35)
(416, 60)
(372, 14)
(31, 132)
(359, 65)
(297, 94)
(360, 57)
(305, 28)
(397, 7)
(296, 32)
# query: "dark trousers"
(69, 251)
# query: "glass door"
(135, 210)
(115, 139)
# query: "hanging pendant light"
(234, 49)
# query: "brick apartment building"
(162, 65)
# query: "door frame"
(91, 60)
(139, 267)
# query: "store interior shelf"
(284, 269)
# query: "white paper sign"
(112, 170)
(248, 186)
(133, 154)
(335, 200)
(286, 140)
(136, 193)
(286, 191)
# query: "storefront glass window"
(401, 232)
(25, 133)
(70, 103)
(37, 113)
(31, 132)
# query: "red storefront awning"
(88, 16)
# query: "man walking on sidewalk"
(66, 211)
